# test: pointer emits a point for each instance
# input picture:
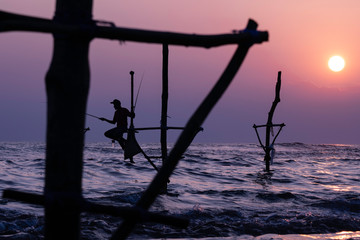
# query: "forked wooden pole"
(269, 122)
(268, 147)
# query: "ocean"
(312, 192)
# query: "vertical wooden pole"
(267, 149)
(164, 105)
(132, 100)
(269, 122)
(67, 84)
(131, 130)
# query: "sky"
(317, 105)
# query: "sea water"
(312, 192)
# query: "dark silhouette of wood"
(67, 84)
(131, 146)
(269, 126)
(164, 107)
(14, 22)
(132, 100)
(86, 206)
(269, 121)
(188, 135)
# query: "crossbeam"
(16, 22)
(159, 128)
(86, 206)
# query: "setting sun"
(336, 63)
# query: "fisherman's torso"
(120, 117)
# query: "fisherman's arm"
(130, 114)
(107, 120)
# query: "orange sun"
(336, 63)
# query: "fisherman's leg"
(115, 134)
(111, 133)
(119, 136)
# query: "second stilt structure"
(269, 144)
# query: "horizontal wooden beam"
(15, 22)
(269, 125)
(158, 128)
(86, 206)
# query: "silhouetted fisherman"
(120, 118)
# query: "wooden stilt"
(131, 130)
(164, 107)
(67, 84)
(269, 125)
(269, 122)
(132, 99)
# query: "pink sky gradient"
(317, 105)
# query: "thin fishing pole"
(93, 116)
(138, 91)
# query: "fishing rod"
(94, 116)
(138, 91)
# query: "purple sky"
(317, 105)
